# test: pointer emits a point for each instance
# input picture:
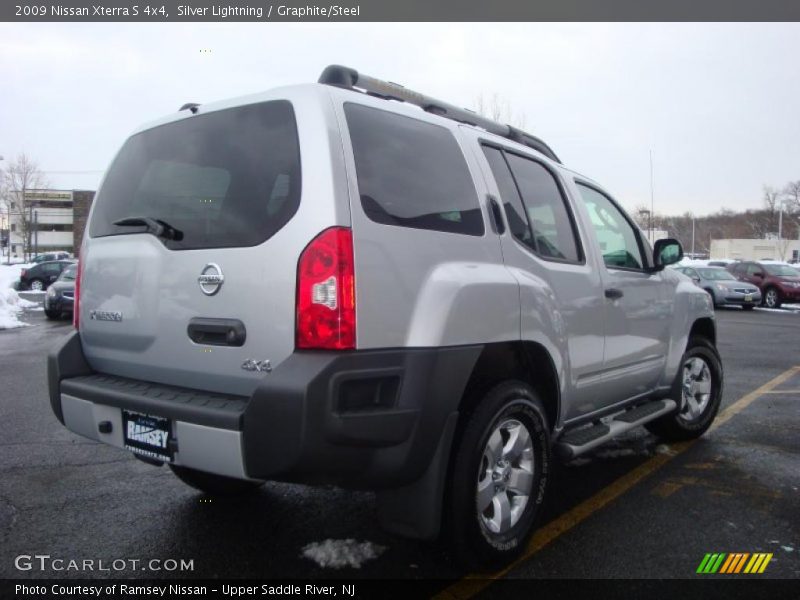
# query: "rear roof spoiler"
(347, 78)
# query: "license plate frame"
(748, 297)
(148, 435)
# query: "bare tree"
(791, 194)
(771, 197)
(499, 109)
(20, 176)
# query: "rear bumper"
(367, 419)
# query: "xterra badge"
(105, 315)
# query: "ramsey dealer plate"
(147, 435)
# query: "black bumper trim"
(309, 441)
(296, 426)
(203, 408)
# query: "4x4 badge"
(211, 279)
(260, 366)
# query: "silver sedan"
(723, 287)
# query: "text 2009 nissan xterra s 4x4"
(352, 283)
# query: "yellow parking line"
(474, 583)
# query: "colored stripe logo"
(734, 563)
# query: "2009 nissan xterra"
(350, 282)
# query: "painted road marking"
(473, 583)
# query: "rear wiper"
(155, 226)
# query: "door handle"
(217, 332)
(614, 294)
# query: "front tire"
(698, 391)
(52, 314)
(216, 485)
(713, 299)
(36, 285)
(499, 476)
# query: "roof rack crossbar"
(348, 78)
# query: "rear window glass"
(227, 178)
(411, 173)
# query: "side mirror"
(696, 279)
(759, 274)
(666, 252)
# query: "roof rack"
(345, 77)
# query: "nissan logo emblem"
(211, 279)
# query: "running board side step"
(577, 442)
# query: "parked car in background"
(724, 262)
(61, 294)
(779, 283)
(40, 276)
(723, 287)
(48, 256)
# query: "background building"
(749, 249)
(57, 218)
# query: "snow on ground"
(342, 553)
(11, 306)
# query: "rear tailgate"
(230, 181)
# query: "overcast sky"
(718, 104)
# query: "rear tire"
(698, 392)
(217, 485)
(499, 476)
(772, 298)
(52, 314)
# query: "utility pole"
(36, 232)
(28, 242)
(652, 196)
(692, 235)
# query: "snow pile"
(342, 553)
(10, 307)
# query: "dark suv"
(778, 283)
(40, 276)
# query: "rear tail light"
(326, 298)
(76, 301)
(22, 273)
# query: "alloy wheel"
(505, 477)
(696, 388)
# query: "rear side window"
(512, 203)
(411, 173)
(227, 178)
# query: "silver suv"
(352, 283)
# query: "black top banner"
(152, 11)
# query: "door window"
(618, 240)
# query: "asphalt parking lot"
(635, 509)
